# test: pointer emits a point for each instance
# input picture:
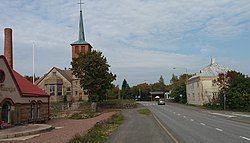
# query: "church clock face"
(2, 76)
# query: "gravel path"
(69, 129)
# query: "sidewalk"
(25, 130)
(138, 128)
(65, 129)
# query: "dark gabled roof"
(68, 74)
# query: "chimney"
(212, 61)
(8, 46)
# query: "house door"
(6, 112)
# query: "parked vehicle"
(161, 101)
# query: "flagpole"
(33, 71)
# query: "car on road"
(161, 101)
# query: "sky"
(142, 39)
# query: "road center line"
(184, 116)
(192, 120)
(165, 129)
(218, 129)
(203, 124)
(179, 114)
(245, 138)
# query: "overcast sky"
(142, 39)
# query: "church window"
(77, 49)
(54, 73)
(32, 111)
(38, 110)
(52, 89)
(82, 48)
(68, 91)
(59, 89)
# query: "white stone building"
(202, 88)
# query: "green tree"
(160, 85)
(142, 90)
(113, 92)
(178, 88)
(236, 87)
(173, 79)
(30, 78)
(125, 91)
(93, 70)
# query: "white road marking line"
(165, 129)
(245, 138)
(224, 115)
(192, 120)
(218, 129)
(179, 114)
(184, 116)
(242, 115)
(203, 124)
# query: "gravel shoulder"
(139, 128)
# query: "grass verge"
(100, 132)
(144, 111)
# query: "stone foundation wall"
(21, 113)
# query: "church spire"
(81, 37)
(81, 28)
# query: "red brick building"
(20, 100)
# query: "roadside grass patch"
(117, 104)
(144, 111)
(100, 132)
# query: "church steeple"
(81, 37)
(81, 28)
(80, 46)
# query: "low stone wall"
(116, 105)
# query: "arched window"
(6, 108)
(33, 110)
(38, 109)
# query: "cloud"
(141, 39)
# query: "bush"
(117, 104)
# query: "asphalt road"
(192, 125)
(138, 128)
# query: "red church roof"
(27, 88)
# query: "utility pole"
(224, 98)
(33, 68)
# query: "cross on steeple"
(80, 3)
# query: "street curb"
(165, 129)
(41, 129)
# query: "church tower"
(80, 46)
